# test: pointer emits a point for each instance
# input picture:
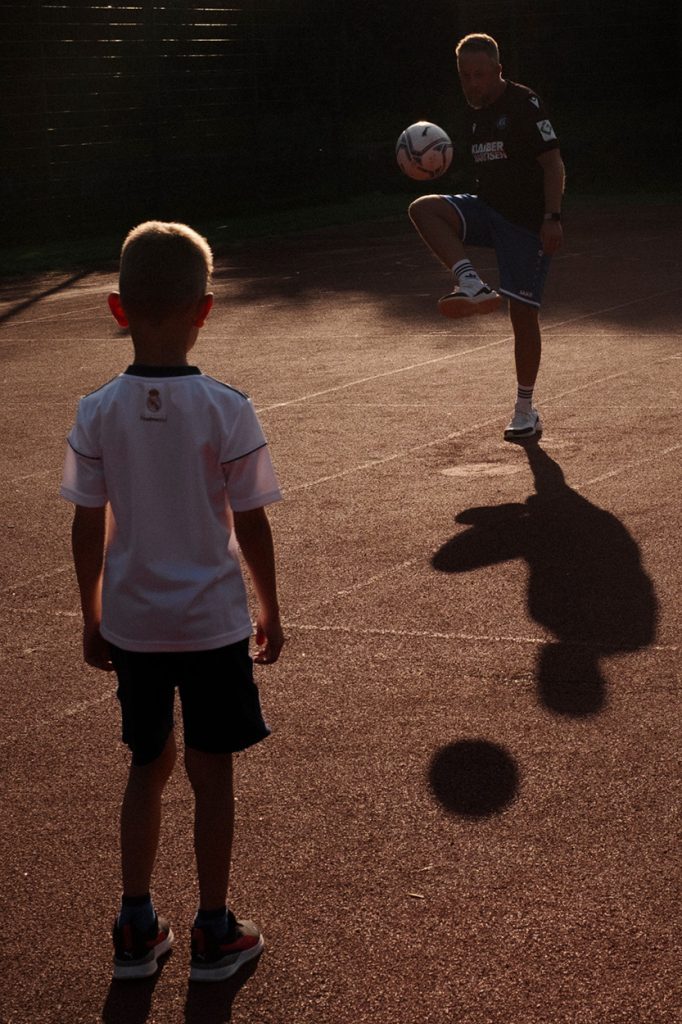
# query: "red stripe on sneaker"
(242, 943)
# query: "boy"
(517, 211)
(161, 460)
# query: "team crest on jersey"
(502, 123)
(546, 130)
(535, 101)
(154, 406)
(154, 400)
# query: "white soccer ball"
(423, 151)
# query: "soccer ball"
(423, 151)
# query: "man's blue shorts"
(521, 262)
(221, 710)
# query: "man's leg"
(440, 226)
(525, 421)
(527, 342)
(141, 820)
(210, 776)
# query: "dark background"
(113, 112)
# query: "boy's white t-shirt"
(172, 451)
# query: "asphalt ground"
(469, 809)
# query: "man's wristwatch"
(552, 216)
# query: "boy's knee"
(159, 769)
(207, 771)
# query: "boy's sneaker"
(522, 425)
(136, 953)
(462, 303)
(215, 959)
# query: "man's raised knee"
(435, 208)
(424, 205)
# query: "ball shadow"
(474, 778)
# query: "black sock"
(138, 911)
(215, 921)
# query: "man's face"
(481, 78)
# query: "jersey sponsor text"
(485, 151)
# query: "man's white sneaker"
(523, 424)
(461, 303)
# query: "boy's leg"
(140, 937)
(210, 776)
(141, 820)
(220, 943)
(440, 225)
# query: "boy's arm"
(252, 529)
(88, 534)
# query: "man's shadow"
(587, 584)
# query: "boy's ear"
(204, 308)
(117, 310)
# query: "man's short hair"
(165, 268)
(479, 42)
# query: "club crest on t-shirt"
(154, 406)
(153, 400)
(546, 130)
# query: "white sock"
(467, 278)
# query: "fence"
(178, 108)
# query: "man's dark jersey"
(506, 139)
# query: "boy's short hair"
(479, 42)
(165, 267)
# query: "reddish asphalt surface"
(469, 809)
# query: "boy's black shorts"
(221, 710)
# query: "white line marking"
(34, 476)
(441, 440)
(385, 373)
(468, 430)
(580, 487)
(59, 716)
(457, 355)
(10, 587)
(374, 579)
(627, 465)
(427, 634)
(57, 316)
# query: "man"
(517, 211)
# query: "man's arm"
(88, 535)
(554, 174)
(253, 533)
